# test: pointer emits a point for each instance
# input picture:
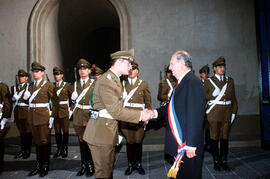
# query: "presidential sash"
(177, 133)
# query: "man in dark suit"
(188, 106)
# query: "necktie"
(83, 84)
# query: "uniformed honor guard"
(39, 95)
(136, 95)
(97, 72)
(5, 114)
(165, 87)
(82, 99)
(60, 112)
(221, 111)
(204, 74)
(21, 114)
(101, 132)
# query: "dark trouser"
(191, 168)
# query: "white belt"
(83, 106)
(220, 102)
(135, 105)
(63, 102)
(22, 104)
(104, 113)
(38, 105)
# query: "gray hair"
(185, 56)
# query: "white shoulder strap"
(59, 90)
(131, 93)
(171, 88)
(213, 83)
(213, 103)
(36, 92)
(82, 94)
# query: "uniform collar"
(37, 82)
(132, 81)
(115, 73)
(181, 77)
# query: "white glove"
(15, 97)
(70, 112)
(232, 119)
(74, 95)
(216, 92)
(51, 122)
(3, 123)
(26, 95)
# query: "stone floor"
(251, 162)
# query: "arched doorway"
(62, 31)
(88, 29)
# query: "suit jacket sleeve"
(195, 113)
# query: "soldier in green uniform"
(136, 96)
(60, 112)
(101, 132)
(81, 98)
(165, 87)
(221, 110)
(21, 114)
(5, 114)
(204, 74)
(39, 95)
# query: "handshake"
(147, 114)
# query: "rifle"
(16, 80)
(48, 79)
(160, 75)
(75, 74)
(29, 78)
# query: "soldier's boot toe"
(19, 155)
(140, 169)
(82, 170)
(216, 166)
(26, 154)
(44, 171)
(58, 153)
(90, 169)
(129, 170)
(225, 166)
(64, 152)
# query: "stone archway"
(36, 28)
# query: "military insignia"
(109, 76)
(114, 78)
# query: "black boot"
(223, 154)
(58, 139)
(28, 145)
(130, 155)
(22, 151)
(83, 160)
(215, 154)
(64, 149)
(90, 169)
(138, 164)
(46, 150)
(38, 162)
(207, 145)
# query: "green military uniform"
(60, 112)
(220, 112)
(81, 97)
(207, 140)
(102, 133)
(21, 116)
(5, 113)
(39, 117)
(134, 133)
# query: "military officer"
(82, 98)
(39, 94)
(221, 111)
(60, 112)
(136, 96)
(5, 114)
(102, 129)
(204, 74)
(21, 114)
(165, 87)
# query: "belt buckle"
(93, 114)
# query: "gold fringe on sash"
(174, 169)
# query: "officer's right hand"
(3, 123)
(15, 97)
